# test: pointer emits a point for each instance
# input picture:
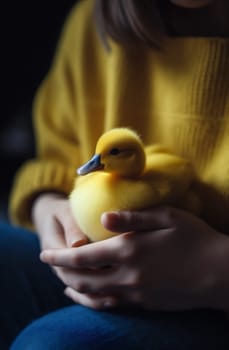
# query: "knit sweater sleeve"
(57, 126)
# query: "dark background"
(30, 31)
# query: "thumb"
(127, 221)
(122, 221)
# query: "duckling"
(125, 175)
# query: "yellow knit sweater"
(178, 97)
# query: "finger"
(91, 281)
(74, 237)
(93, 255)
(157, 302)
(151, 219)
(53, 235)
(93, 301)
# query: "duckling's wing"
(156, 148)
(170, 174)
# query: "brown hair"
(128, 21)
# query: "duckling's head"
(118, 151)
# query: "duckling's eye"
(114, 151)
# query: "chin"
(191, 3)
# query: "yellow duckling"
(123, 175)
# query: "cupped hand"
(164, 259)
(56, 227)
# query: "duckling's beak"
(92, 165)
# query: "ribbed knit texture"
(178, 96)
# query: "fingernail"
(79, 242)
(110, 218)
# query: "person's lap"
(29, 289)
(31, 292)
(77, 327)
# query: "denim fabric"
(36, 313)
(28, 289)
(79, 328)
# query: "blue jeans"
(36, 315)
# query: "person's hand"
(166, 259)
(56, 227)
